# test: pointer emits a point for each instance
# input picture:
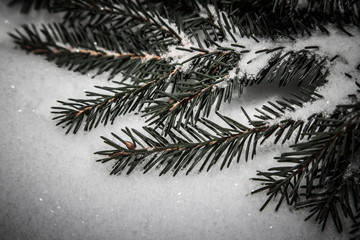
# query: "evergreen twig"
(323, 169)
(106, 107)
(82, 50)
(189, 146)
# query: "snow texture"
(52, 188)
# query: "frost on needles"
(182, 61)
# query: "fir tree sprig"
(197, 99)
(207, 84)
(259, 17)
(82, 50)
(192, 146)
(104, 108)
(320, 173)
(128, 97)
(250, 18)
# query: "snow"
(336, 91)
(52, 188)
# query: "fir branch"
(102, 108)
(203, 87)
(320, 169)
(124, 99)
(83, 51)
(179, 154)
(148, 86)
(285, 18)
(192, 146)
(197, 99)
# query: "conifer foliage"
(182, 60)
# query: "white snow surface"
(52, 188)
